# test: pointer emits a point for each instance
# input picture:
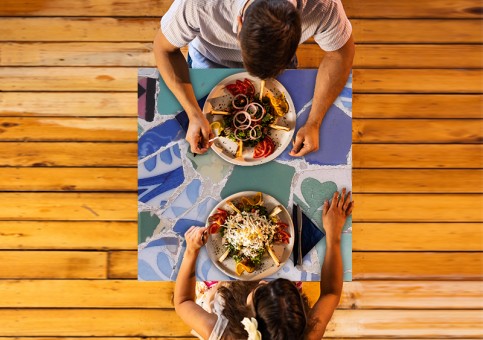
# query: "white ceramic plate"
(215, 248)
(219, 99)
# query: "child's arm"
(184, 292)
(334, 217)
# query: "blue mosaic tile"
(185, 200)
(158, 137)
(157, 179)
(300, 84)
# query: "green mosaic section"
(149, 223)
(271, 178)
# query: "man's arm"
(174, 70)
(334, 217)
(184, 291)
(331, 78)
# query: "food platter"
(267, 267)
(219, 99)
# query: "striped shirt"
(210, 27)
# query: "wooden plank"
(122, 207)
(41, 154)
(68, 179)
(124, 179)
(396, 56)
(310, 55)
(125, 104)
(133, 294)
(125, 130)
(366, 265)
(354, 8)
(68, 206)
(417, 106)
(417, 81)
(85, 104)
(417, 266)
(146, 322)
(416, 156)
(68, 235)
(418, 208)
(52, 265)
(122, 79)
(426, 237)
(68, 79)
(416, 31)
(417, 131)
(144, 29)
(413, 9)
(416, 181)
(68, 129)
(68, 154)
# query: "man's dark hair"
(269, 37)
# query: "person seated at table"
(261, 36)
(263, 310)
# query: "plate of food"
(251, 235)
(253, 120)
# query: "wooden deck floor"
(68, 179)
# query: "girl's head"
(280, 310)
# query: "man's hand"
(335, 214)
(199, 133)
(306, 141)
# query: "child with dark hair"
(263, 310)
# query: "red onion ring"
(239, 123)
(253, 114)
(236, 97)
(254, 130)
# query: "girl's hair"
(281, 310)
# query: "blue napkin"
(311, 234)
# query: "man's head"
(269, 36)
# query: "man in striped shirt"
(261, 36)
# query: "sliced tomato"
(260, 149)
(213, 228)
(233, 89)
(250, 87)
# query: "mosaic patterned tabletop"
(177, 190)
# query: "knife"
(299, 224)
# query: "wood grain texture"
(417, 237)
(124, 179)
(52, 265)
(69, 235)
(68, 206)
(417, 106)
(136, 29)
(68, 79)
(417, 81)
(417, 181)
(68, 154)
(365, 265)
(418, 208)
(354, 8)
(68, 129)
(417, 131)
(68, 179)
(417, 155)
(146, 322)
(310, 55)
(400, 56)
(125, 130)
(133, 294)
(42, 154)
(83, 104)
(123, 79)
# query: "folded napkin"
(311, 234)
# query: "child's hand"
(335, 214)
(196, 238)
